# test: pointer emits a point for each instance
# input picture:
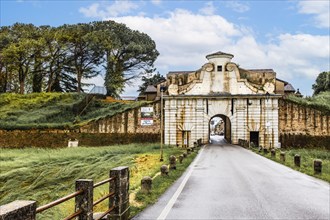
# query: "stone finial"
(146, 184)
(164, 170)
(317, 166)
(172, 162)
(297, 160)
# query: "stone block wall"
(303, 126)
(123, 128)
(301, 120)
(126, 122)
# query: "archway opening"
(219, 129)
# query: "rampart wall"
(123, 128)
(300, 125)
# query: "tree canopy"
(44, 58)
(146, 81)
(322, 83)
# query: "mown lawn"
(307, 160)
(45, 175)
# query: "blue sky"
(291, 37)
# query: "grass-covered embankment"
(307, 160)
(320, 102)
(54, 110)
(45, 175)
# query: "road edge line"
(175, 196)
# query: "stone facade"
(245, 100)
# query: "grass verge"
(307, 160)
(45, 175)
(159, 185)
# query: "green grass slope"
(44, 175)
(53, 110)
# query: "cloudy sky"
(291, 37)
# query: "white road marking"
(175, 196)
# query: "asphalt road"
(228, 182)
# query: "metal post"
(161, 124)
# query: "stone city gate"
(246, 100)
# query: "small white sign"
(147, 122)
(73, 143)
(147, 109)
(147, 114)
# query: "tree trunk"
(79, 82)
(37, 77)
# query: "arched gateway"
(245, 99)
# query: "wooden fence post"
(84, 201)
(18, 210)
(120, 187)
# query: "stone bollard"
(188, 151)
(18, 210)
(164, 170)
(282, 156)
(297, 160)
(265, 151)
(181, 158)
(317, 166)
(146, 184)
(273, 152)
(172, 162)
(184, 155)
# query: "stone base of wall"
(54, 139)
(304, 141)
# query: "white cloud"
(320, 9)
(237, 6)
(92, 11)
(208, 9)
(183, 34)
(101, 10)
(156, 2)
(184, 38)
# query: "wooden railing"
(118, 196)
